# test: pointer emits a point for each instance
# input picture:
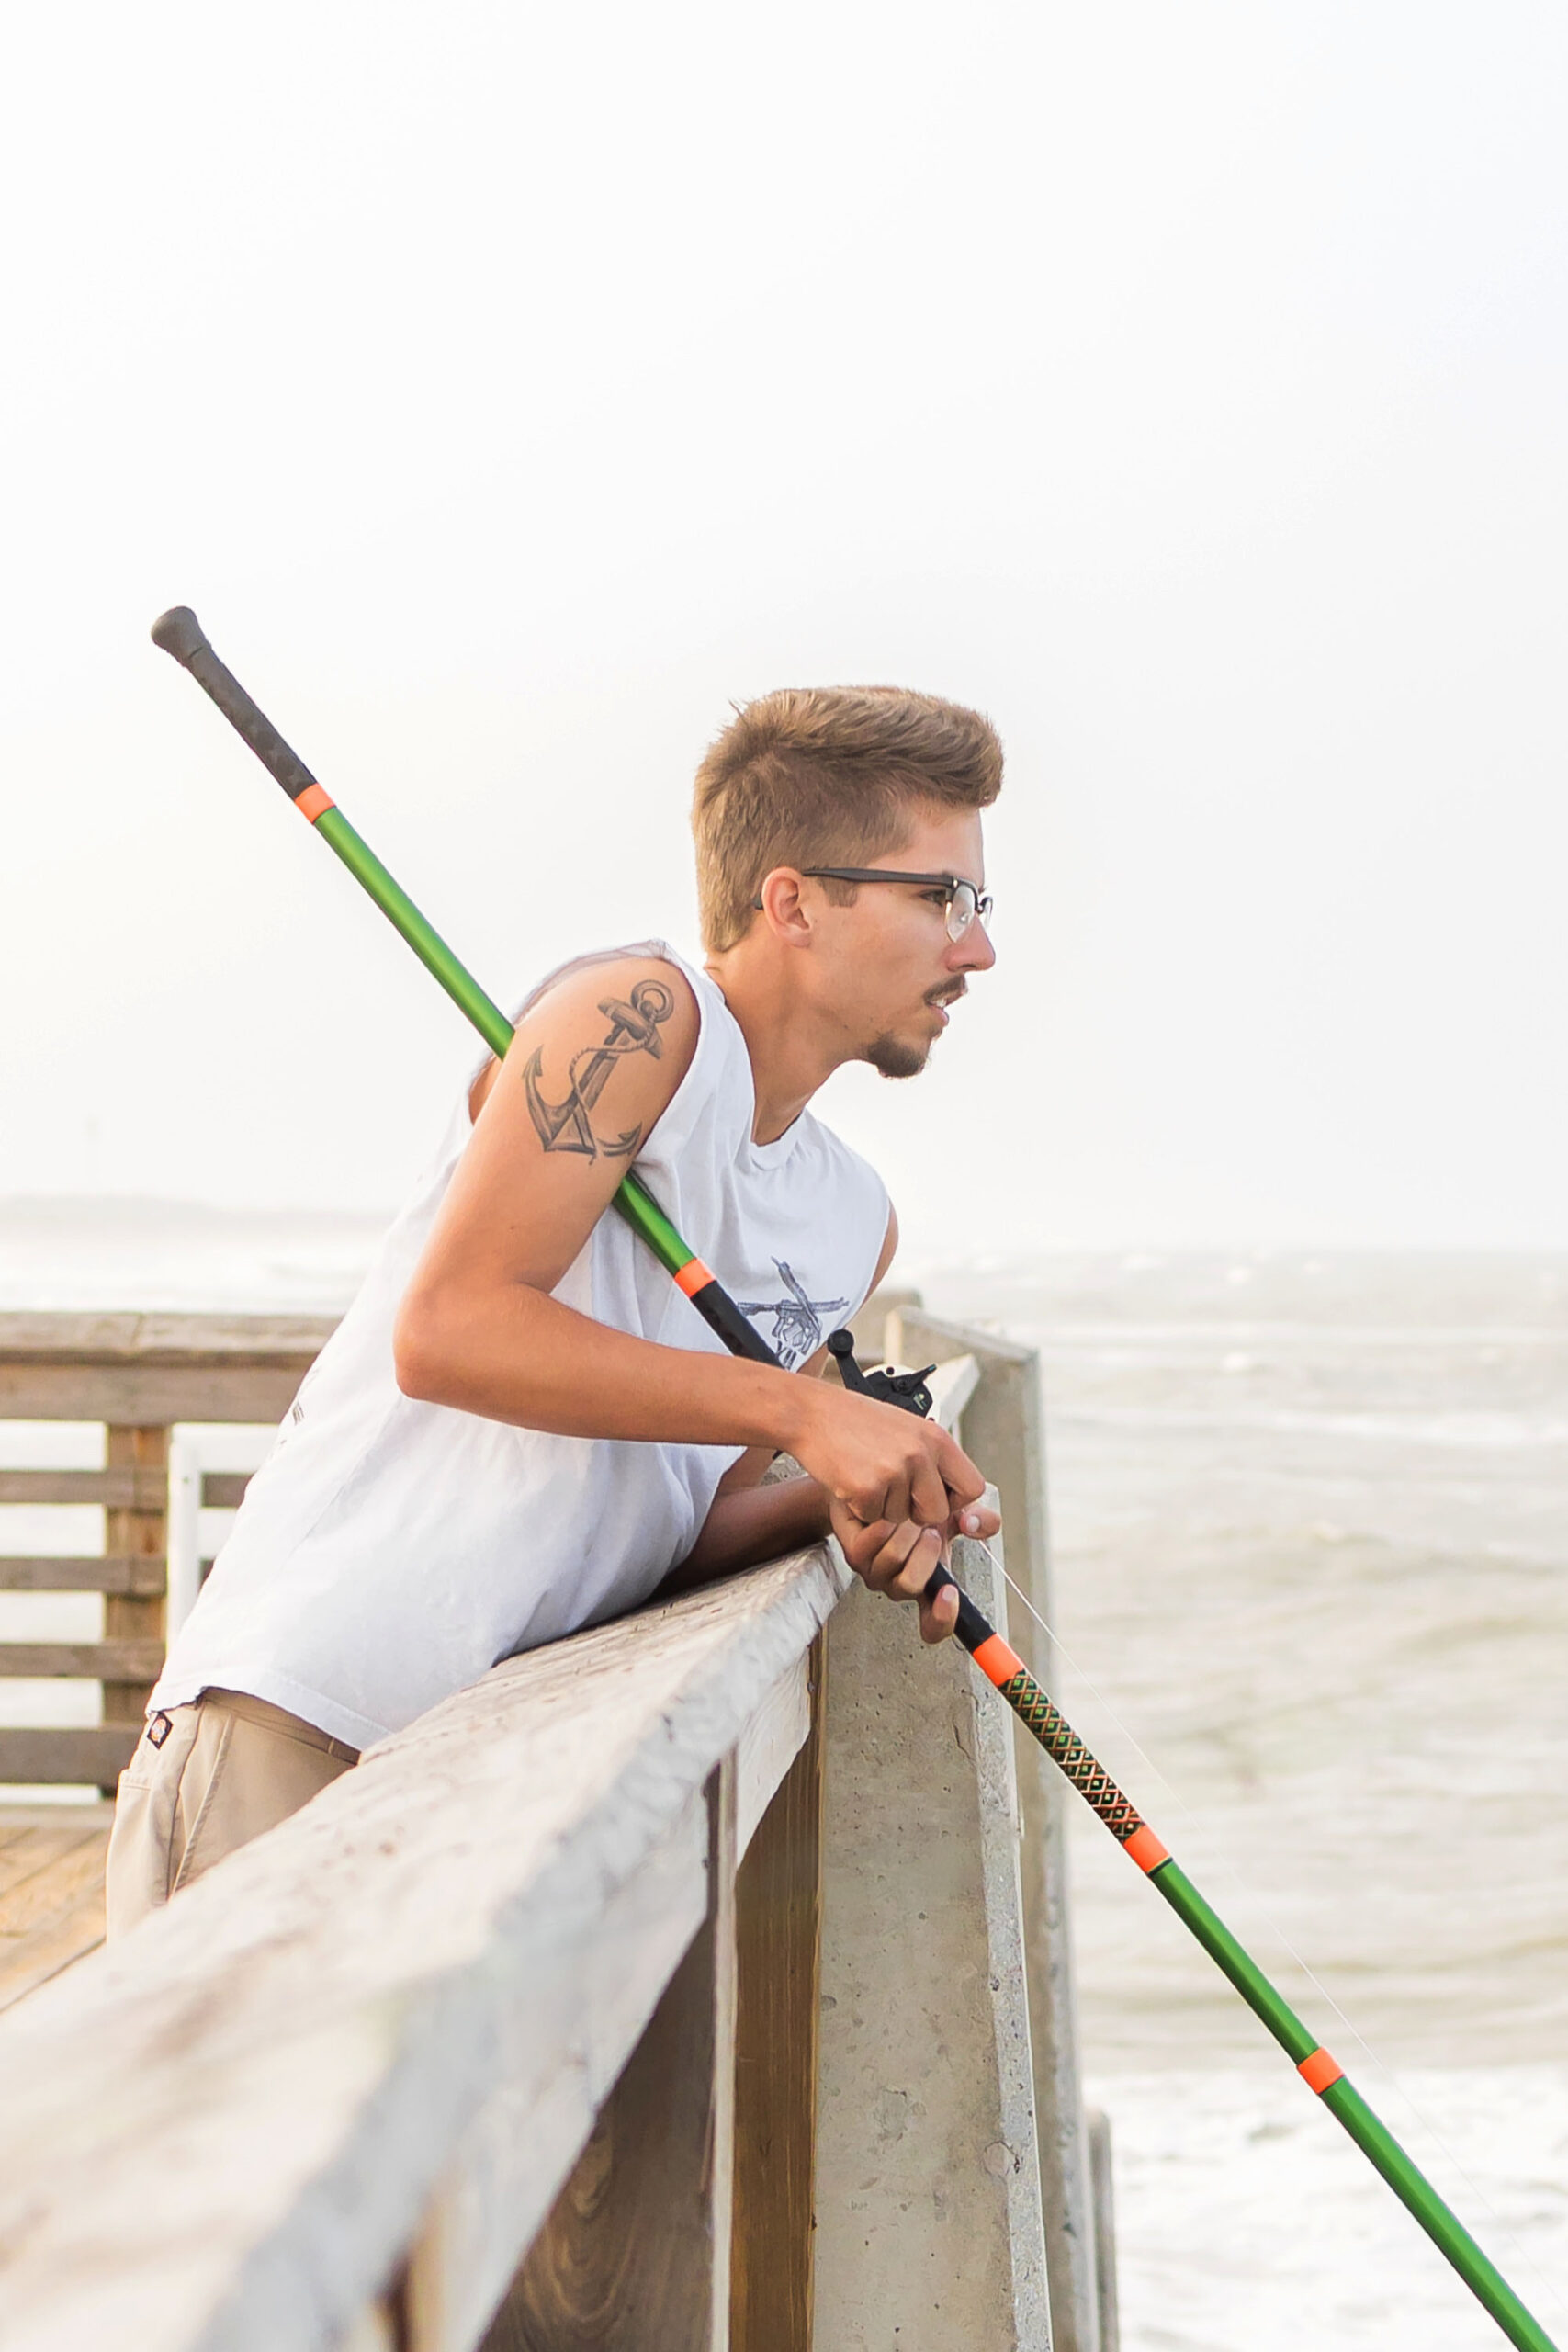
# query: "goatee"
(895, 1057)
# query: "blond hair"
(825, 775)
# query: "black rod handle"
(179, 632)
(974, 1627)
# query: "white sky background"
(509, 388)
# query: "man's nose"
(974, 951)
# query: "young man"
(522, 1426)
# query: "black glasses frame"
(885, 874)
(951, 883)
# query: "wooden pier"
(52, 1891)
(703, 1981)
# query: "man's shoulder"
(604, 966)
(645, 985)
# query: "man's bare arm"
(593, 1067)
(750, 1525)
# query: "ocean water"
(1310, 1539)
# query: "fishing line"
(1255, 1901)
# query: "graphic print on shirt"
(797, 1320)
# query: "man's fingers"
(889, 1504)
(914, 1572)
(939, 1617)
(929, 1501)
(893, 1560)
(884, 1562)
(862, 1544)
(944, 1481)
(963, 1481)
(977, 1520)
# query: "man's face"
(889, 971)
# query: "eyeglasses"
(964, 902)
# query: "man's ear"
(785, 909)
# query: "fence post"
(778, 1901)
(929, 2224)
(635, 2256)
(137, 1534)
(1003, 1433)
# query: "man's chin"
(898, 1057)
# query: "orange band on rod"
(315, 802)
(694, 1276)
(1146, 1848)
(1318, 2071)
(996, 1662)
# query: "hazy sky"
(509, 388)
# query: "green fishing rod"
(179, 633)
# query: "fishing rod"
(179, 633)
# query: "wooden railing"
(137, 1375)
(675, 1986)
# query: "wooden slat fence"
(138, 1376)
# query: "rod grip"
(179, 633)
(972, 1628)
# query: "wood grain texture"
(32, 1845)
(38, 1897)
(53, 1946)
(141, 1394)
(124, 1487)
(516, 2151)
(927, 2199)
(771, 1741)
(90, 1756)
(227, 2128)
(635, 2256)
(51, 1902)
(141, 1532)
(50, 1572)
(136, 1370)
(37, 1813)
(224, 1489)
(95, 1661)
(778, 1902)
(42, 1337)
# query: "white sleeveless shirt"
(389, 1552)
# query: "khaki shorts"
(204, 1779)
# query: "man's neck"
(791, 1056)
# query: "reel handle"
(908, 1390)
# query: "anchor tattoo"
(634, 1029)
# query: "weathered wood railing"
(551, 2024)
(137, 1375)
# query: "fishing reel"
(908, 1390)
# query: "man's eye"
(934, 898)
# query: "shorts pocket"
(147, 1757)
(141, 1862)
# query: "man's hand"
(880, 1462)
(898, 1560)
